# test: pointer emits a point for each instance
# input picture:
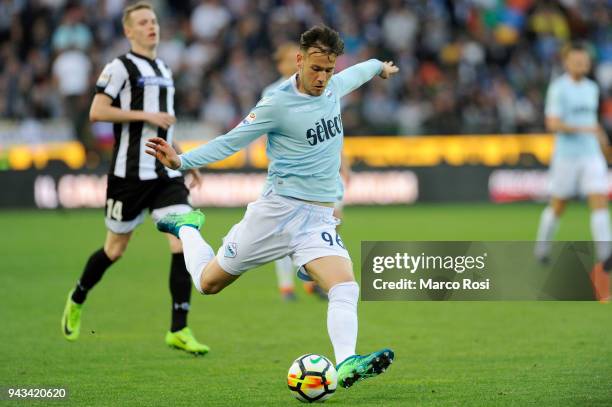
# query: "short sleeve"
(111, 80)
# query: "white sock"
(197, 253)
(342, 319)
(600, 229)
(549, 223)
(284, 273)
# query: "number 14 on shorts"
(327, 237)
(114, 209)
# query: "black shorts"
(127, 198)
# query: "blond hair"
(284, 48)
(133, 7)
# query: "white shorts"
(570, 177)
(274, 227)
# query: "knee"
(345, 279)
(210, 288)
(558, 208)
(598, 202)
(115, 251)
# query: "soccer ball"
(312, 378)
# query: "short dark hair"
(323, 38)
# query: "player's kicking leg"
(207, 276)
(335, 275)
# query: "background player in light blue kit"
(578, 166)
(294, 214)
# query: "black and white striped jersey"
(135, 82)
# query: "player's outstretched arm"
(351, 78)
(261, 120)
(160, 149)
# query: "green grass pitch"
(448, 353)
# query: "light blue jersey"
(305, 136)
(576, 104)
(267, 90)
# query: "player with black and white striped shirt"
(136, 92)
(143, 88)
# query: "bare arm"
(102, 111)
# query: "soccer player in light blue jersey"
(285, 58)
(578, 165)
(294, 214)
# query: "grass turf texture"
(451, 354)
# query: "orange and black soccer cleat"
(288, 293)
(309, 287)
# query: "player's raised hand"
(158, 148)
(161, 119)
(388, 69)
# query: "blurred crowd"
(467, 66)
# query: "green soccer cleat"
(185, 340)
(71, 319)
(357, 367)
(171, 223)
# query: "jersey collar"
(569, 78)
(136, 54)
(296, 90)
